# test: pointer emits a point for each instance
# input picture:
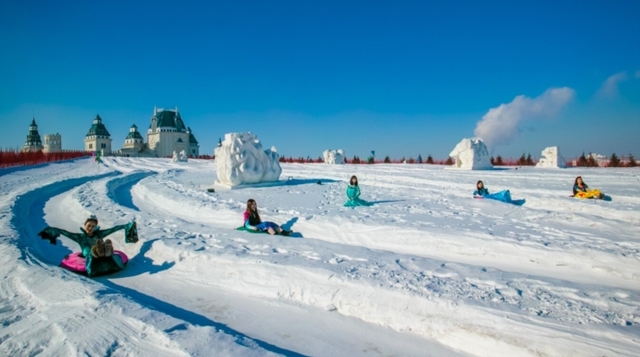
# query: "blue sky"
(399, 77)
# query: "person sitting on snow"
(93, 245)
(581, 190)
(253, 222)
(480, 191)
(353, 194)
(504, 195)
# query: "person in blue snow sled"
(253, 222)
(353, 194)
(97, 251)
(503, 196)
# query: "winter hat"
(92, 218)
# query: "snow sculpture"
(179, 158)
(240, 159)
(333, 156)
(551, 158)
(471, 154)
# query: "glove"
(50, 234)
(131, 233)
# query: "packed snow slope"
(426, 271)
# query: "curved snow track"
(27, 218)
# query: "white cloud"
(500, 126)
(609, 88)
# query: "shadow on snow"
(119, 190)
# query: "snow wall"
(333, 156)
(240, 159)
(471, 154)
(551, 158)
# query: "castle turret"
(98, 137)
(134, 140)
(33, 143)
(194, 148)
(52, 143)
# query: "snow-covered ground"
(426, 271)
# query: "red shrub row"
(10, 157)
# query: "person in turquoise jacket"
(503, 196)
(93, 245)
(353, 194)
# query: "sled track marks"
(70, 303)
(119, 189)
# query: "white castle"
(167, 133)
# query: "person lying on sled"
(481, 191)
(353, 194)
(253, 222)
(581, 190)
(97, 251)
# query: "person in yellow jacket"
(581, 190)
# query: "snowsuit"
(584, 192)
(353, 195)
(253, 222)
(481, 192)
(94, 266)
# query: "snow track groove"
(75, 314)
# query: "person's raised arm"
(52, 233)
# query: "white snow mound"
(551, 158)
(241, 160)
(333, 156)
(471, 154)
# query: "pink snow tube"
(77, 264)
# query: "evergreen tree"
(429, 160)
(591, 161)
(492, 160)
(529, 160)
(371, 160)
(411, 161)
(403, 160)
(387, 160)
(499, 161)
(614, 161)
(419, 158)
(522, 160)
(282, 159)
(449, 161)
(632, 161)
(582, 160)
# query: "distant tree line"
(523, 160)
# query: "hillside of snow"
(426, 271)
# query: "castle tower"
(33, 143)
(98, 137)
(167, 133)
(52, 143)
(194, 148)
(134, 140)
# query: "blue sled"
(504, 196)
